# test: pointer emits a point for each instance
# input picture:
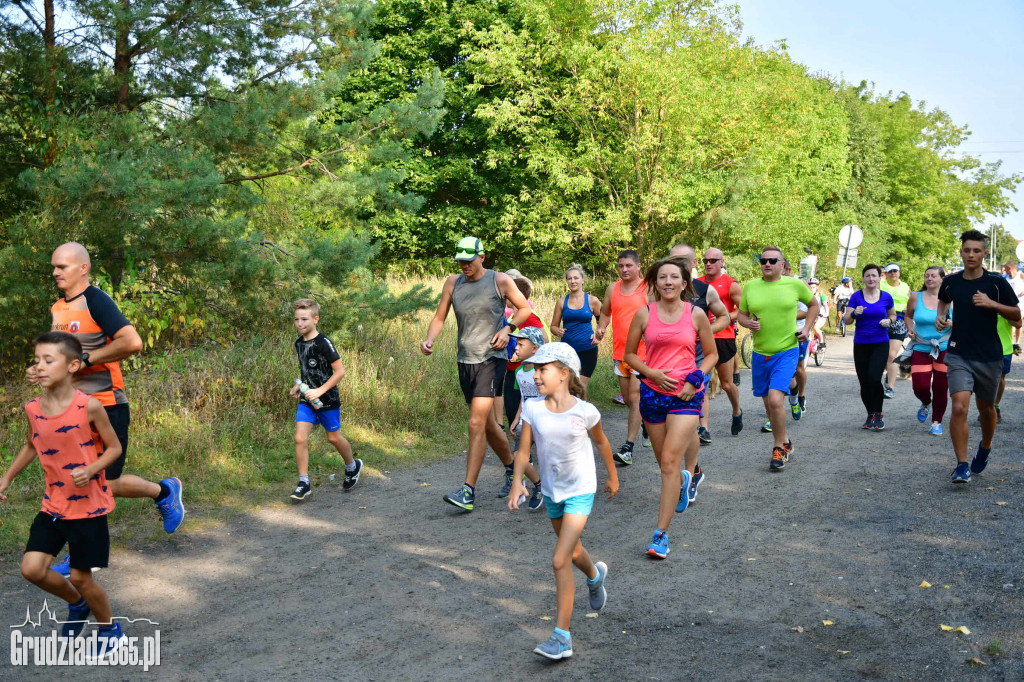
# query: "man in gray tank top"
(478, 296)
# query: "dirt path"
(388, 583)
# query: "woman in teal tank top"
(928, 362)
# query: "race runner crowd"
(671, 331)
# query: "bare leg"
(958, 424)
(35, 567)
(341, 444)
(725, 372)
(892, 368)
(133, 486)
(988, 422)
(499, 443)
(569, 551)
(93, 593)
(481, 421)
(302, 431)
(774, 403)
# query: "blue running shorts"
(655, 407)
(329, 419)
(577, 504)
(773, 372)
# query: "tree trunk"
(122, 57)
(50, 44)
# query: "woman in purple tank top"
(672, 385)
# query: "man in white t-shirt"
(1015, 276)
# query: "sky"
(964, 58)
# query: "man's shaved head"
(714, 253)
(71, 266)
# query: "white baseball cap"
(558, 351)
(892, 267)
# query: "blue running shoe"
(980, 460)
(659, 545)
(172, 509)
(695, 481)
(536, 499)
(108, 640)
(463, 498)
(556, 648)
(797, 412)
(922, 414)
(78, 616)
(684, 493)
(767, 428)
(63, 566)
(936, 429)
(598, 595)
(962, 473)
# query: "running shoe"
(795, 409)
(172, 509)
(645, 440)
(302, 491)
(999, 416)
(803, 403)
(695, 481)
(962, 473)
(737, 424)
(767, 428)
(684, 493)
(787, 447)
(624, 457)
(659, 545)
(536, 500)
(618, 400)
(922, 414)
(462, 498)
(778, 460)
(869, 423)
(889, 393)
(879, 425)
(78, 616)
(598, 595)
(108, 640)
(556, 648)
(704, 435)
(736, 378)
(63, 566)
(980, 460)
(936, 429)
(352, 477)
(506, 485)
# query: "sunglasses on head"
(467, 252)
(767, 261)
(708, 261)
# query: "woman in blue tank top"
(573, 321)
(928, 363)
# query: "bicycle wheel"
(747, 350)
(819, 356)
(842, 327)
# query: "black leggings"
(870, 359)
(512, 397)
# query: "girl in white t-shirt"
(563, 425)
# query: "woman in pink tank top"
(672, 388)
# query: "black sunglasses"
(708, 261)
(765, 261)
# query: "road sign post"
(850, 237)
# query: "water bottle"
(303, 388)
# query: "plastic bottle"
(303, 388)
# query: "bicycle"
(816, 350)
(840, 322)
(747, 350)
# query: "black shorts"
(898, 329)
(120, 417)
(726, 349)
(88, 540)
(482, 380)
(588, 361)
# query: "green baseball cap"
(468, 248)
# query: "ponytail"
(576, 387)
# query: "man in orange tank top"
(107, 337)
(621, 301)
(729, 292)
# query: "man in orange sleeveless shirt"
(729, 292)
(621, 301)
(107, 338)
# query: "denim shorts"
(577, 504)
(655, 407)
(1007, 362)
(329, 419)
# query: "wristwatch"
(85, 360)
(512, 327)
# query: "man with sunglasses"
(729, 292)
(768, 308)
(478, 297)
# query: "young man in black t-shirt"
(321, 370)
(974, 357)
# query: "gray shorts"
(981, 378)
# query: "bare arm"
(747, 321)
(606, 315)
(556, 320)
(520, 460)
(909, 316)
(512, 294)
(722, 317)
(126, 343)
(112, 450)
(605, 448)
(812, 313)
(437, 322)
(338, 373)
(736, 294)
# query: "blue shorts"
(803, 349)
(329, 419)
(577, 504)
(1007, 360)
(655, 407)
(773, 372)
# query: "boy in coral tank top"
(77, 498)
